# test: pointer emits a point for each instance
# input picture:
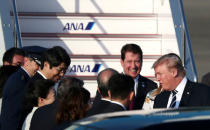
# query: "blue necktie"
(173, 101)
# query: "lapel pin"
(188, 93)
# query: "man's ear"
(131, 96)
(122, 62)
(109, 93)
(174, 72)
(6, 63)
(46, 65)
(98, 91)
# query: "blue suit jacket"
(13, 95)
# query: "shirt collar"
(181, 86)
(119, 104)
(25, 71)
(41, 74)
(105, 99)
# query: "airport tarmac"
(197, 13)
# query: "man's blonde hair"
(172, 60)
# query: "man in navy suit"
(177, 91)
(100, 103)
(121, 92)
(131, 61)
(14, 90)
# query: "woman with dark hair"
(73, 106)
(40, 93)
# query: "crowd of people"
(30, 100)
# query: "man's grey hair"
(172, 60)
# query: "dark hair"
(73, 106)
(65, 84)
(131, 48)
(120, 86)
(102, 80)
(9, 54)
(38, 88)
(55, 56)
(5, 72)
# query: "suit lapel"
(186, 94)
(163, 99)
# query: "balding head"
(103, 79)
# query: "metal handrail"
(18, 34)
(187, 39)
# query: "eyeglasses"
(61, 70)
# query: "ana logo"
(85, 68)
(78, 26)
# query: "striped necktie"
(173, 101)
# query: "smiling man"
(131, 61)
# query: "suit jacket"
(36, 77)
(26, 110)
(113, 107)
(97, 98)
(194, 95)
(44, 118)
(98, 107)
(13, 95)
(144, 86)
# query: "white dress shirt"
(180, 90)
(136, 81)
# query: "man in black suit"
(54, 63)
(100, 103)
(177, 90)
(131, 61)
(14, 90)
(44, 118)
(121, 91)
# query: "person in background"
(206, 79)
(14, 90)
(5, 72)
(14, 56)
(131, 62)
(100, 103)
(72, 107)
(40, 93)
(178, 91)
(44, 118)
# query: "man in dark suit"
(54, 63)
(131, 61)
(100, 103)
(121, 91)
(177, 90)
(14, 91)
(44, 118)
